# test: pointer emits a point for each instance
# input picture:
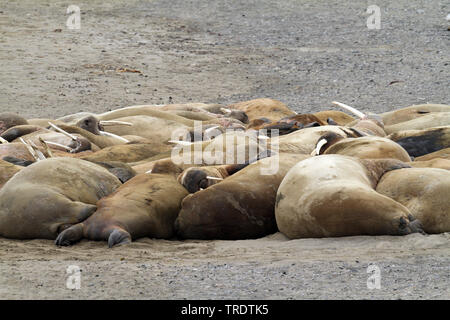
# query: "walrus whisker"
(30, 149)
(3, 140)
(112, 135)
(183, 143)
(351, 109)
(114, 122)
(319, 146)
(71, 136)
(213, 178)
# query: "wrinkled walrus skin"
(46, 197)
(145, 206)
(333, 196)
(424, 191)
(239, 207)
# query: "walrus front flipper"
(70, 235)
(118, 237)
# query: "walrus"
(145, 206)
(424, 191)
(7, 171)
(433, 163)
(341, 118)
(443, 154)
(271, 109)
(412, 112)
(9, 119)
(334, 196)
(128, 153)
(49, 196)
(421, 142)
(370, 147)
(304, 141)
(239, 207)
(430, 120)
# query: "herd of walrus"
(113, 176)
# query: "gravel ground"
(304, 53)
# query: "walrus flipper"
(70, 235)
(118, 237)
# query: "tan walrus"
(333, 196)
(49, 196)
(145, 206)
(370, 147)
(424, 191)
(239, 207)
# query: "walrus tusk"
(319, 146)
(213, 178)
(225, 110)
(3, 140)
(46, 147)
(30, 149)
(40, 155)
(263, 137)
(183, 143)
(71, 136)
(114, 122)
(351, 109)
(211, 129)
(149, 171)
(112, 135)
(58, 145)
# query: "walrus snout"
(193, 180)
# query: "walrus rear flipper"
(70, 235)
(118, 237)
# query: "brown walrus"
(421, 142)
(239, 207)
(9, 119)
(334, 196)
(412, 112)
(370, 147)
(145, 206)
(271, 109)
(424, 191)
(49, 196)
(7, 171)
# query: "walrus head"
(9, 120)
(91, 124)
(194, 179)
(326, 141)
(235, 114)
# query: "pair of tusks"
(102, 133)
(356, 112)
(114, 123)
(33, 150)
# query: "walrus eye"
(203, 183)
